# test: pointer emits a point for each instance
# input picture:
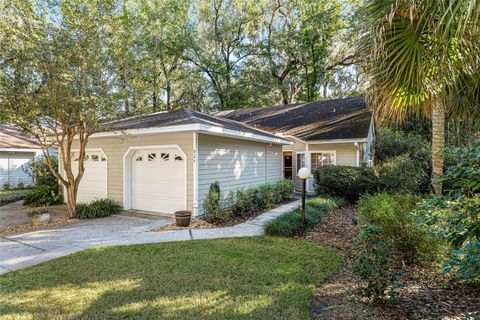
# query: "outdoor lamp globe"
(304, 173)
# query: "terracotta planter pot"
(182, 218)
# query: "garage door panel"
(94, 181)
(158, 180)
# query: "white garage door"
(158, 180)
(94, 181)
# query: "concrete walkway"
(27, 249)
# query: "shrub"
(390, 144)
(7, 185)
(211, 206)
(465, 262)
(399, 174)
(245, 202)
(391, 215)
(290, 224)
(345, 181)
(43, 195)
(373, 263)
(463, 175)
(456, 221)
(39, 171)
(96, 209)
(9, 196)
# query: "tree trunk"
(438, 143)
(71, 200)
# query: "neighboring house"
(167, 161)
(330, 132)
(16, 149)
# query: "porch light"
(303, 173)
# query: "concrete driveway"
(19, 251)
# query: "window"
(178, 158)
(152, 156)
(319, 159)
(300, 161)
(102, 158)
(139, 158)
(165, 156)
(95, 157)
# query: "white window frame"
(296, 161)
(334, 152)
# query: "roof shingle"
(13, 138)
(323, 120)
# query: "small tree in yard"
(54, 82)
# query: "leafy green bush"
(212, 206)
(290, 223)
(372, 261)
(465, 262)
(456, 217)
(399, 174)
(345, 181)
(43, 195)
(463, 174)
(96, 209)
(390, 144)
(391, 215)
(246, 202)
(9, 196)
(40, 172)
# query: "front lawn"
(8, 196)
(242, 278)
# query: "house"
(16, 149)
(167, 161)
(330, 132)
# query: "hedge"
(290, 224)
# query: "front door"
(287, 165)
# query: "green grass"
(290, 224)
(8, 196)
(241, 278)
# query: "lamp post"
(303, 173)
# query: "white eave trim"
(336, 141)
(20, 150)
(214, 130)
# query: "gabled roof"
(323, 120)
(13, 138)
(184, 117)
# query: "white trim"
(214, 130)
(20, 150)
(86, 150)
(308, 164)
(357, 154)
(326, 151)
(127, 171)
(195, 174)
(336, 141)
(296, 162)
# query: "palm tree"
(420, 54)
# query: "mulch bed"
(58, 213)
(229, 222)
(426, 293)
